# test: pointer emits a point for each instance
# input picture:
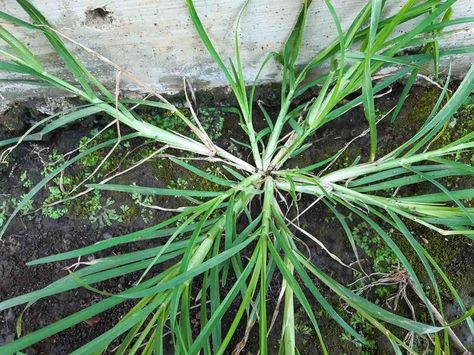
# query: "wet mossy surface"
(38, 234)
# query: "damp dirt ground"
(34, 235)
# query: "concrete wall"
(156, 40)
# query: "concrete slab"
(156, 40)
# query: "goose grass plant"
(201, 251)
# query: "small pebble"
(107, 235)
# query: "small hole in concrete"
(100, 12)
(98, 17)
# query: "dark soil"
(31, 237)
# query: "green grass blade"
(367, 90)
(404, 94)
(153, 190)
